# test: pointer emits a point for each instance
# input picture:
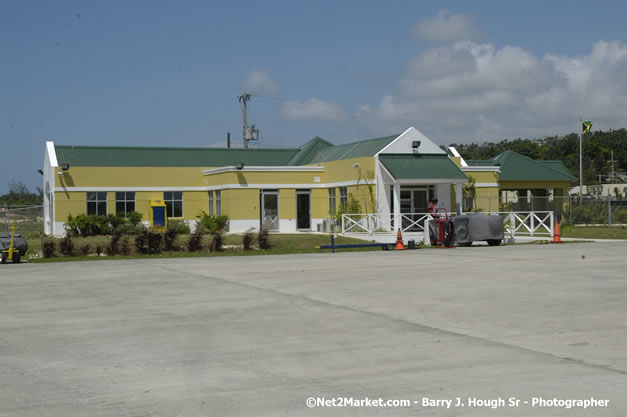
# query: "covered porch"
(406, 183)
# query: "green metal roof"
(558, 166)
(421, 166)
(309, 151)
(367, 147)
(123, 156)
(517, 167)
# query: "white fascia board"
(430, 181)
(264, 169)
(52, 154)
(457, 155)
(486, 184)
(481, 168)
(217, 187)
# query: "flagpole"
(580, 158)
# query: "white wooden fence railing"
(529, 223)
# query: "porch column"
(458, 197)
(397, 206)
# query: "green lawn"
(281, 244)
(617, 232)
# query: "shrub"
(211, 223)
(179, 226)
(264, 239)
(48, 248)
(170, 235)
(154, 242)
(247, 240)
(125, 247)
(218, 242)
(141, 242)
(90, 225)
(114, 245)
(99, 249)
(66, 246)
(85, 249)
(147, 242)
(194, 244)
(352, 206)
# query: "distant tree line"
(597, 147)
(20, 195)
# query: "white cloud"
(472, 91)
(446, 28)
(259, 81)
(312, 109)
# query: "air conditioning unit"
(327, 226)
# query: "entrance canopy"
(417, 167)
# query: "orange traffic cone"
(399, 241)
(556, 235)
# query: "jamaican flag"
(585, 127)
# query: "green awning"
(422, 167)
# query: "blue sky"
(168, 73)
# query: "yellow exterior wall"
(67, 203)
(487, 198)
(258, 177)
(339, 171)
(483, 176)
(240, 204)
(131, 177)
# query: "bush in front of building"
(147, 242)
(194, 243)
(48, 248)
(263, 239)
(217, 244)
(178, 227)
(248, 240)
(352, 206)
(66, 246)
(211, 223)
(91, 225)
(169, 236)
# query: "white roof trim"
(263, 169)
(475, 168)
(457, 155)
(217, 187)
(52, 154)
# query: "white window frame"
(343, 196)
(218, 203)
(97, 201)
(172, 201)
(210, 212)
(332, 201)
(126, 200)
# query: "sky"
(165, 73)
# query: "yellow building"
(284, 190)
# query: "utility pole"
(580, 159)
(612, 162)
(244, 98)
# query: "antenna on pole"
(249, 132)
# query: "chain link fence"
(29, 220)
(571, 209)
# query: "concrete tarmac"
(259, 335)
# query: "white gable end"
(403, 143)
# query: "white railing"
(384, 223)
(529, 223)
